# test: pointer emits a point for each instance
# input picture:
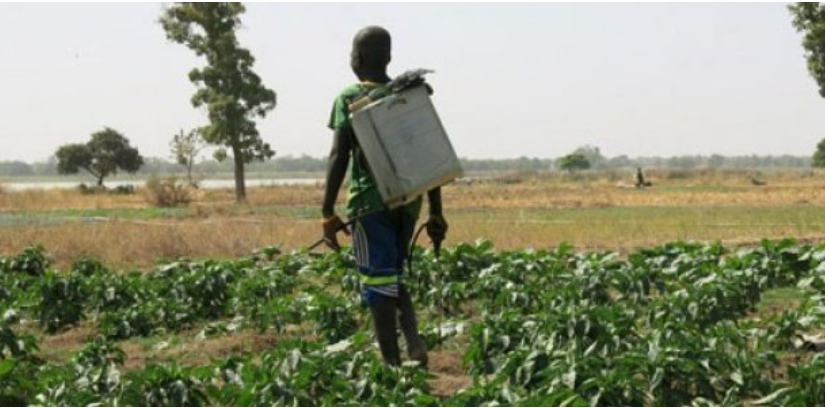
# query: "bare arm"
(336, 168)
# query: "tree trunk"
(189, 173)
(240, 183)
(95, 175)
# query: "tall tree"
(227, 86)
(809, 19)
(107, 152)
(185, 149)
(819, 155)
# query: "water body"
(206, 184)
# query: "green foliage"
(810, 386)
(89, 266)
(13, 345)
(574, 162)
(62, 301)
(809, 19)
(73, 157)
(135, 321)
(32, 261)
(17, 365)
(334, 317)
(15, 383)
(96, 367)
(169, 385)
(104, 155)
(231, 91)
(819, 155)
(670, 325)
(594, 156)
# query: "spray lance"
(436, 242)
(323, 240)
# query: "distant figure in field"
(640, 179)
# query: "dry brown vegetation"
(61, 199)
(143, 243)
(591, 212)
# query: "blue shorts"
(381, 241)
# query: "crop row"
(670, 325)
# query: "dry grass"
(65, 199)
(58, 347)
(185, 350)
(125, 244)
(141, 243)
(450, 378)
(600, 195)
(181, 347)
(702, 188)
(539, 212)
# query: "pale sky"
(512, 79)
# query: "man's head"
(371, 51)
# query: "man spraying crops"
(381, 237)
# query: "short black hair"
(374, 46)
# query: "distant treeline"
(599, 162)
(307, 164)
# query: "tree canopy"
(592, 154)
(809, 19)
(104, 155)
(231, 91)
(819, 155)
(573, 162)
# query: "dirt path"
(449, 375)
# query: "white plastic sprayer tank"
(406, 146)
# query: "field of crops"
(670, 325)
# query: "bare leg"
(416, 348)
(384, 314)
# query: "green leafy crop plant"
(677, 324)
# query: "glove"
(437, 229)
(331, 227)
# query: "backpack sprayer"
(404, 143)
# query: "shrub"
(89, 266)
(166, 192)
(32, 261)
(61, 303)
(90, 189)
